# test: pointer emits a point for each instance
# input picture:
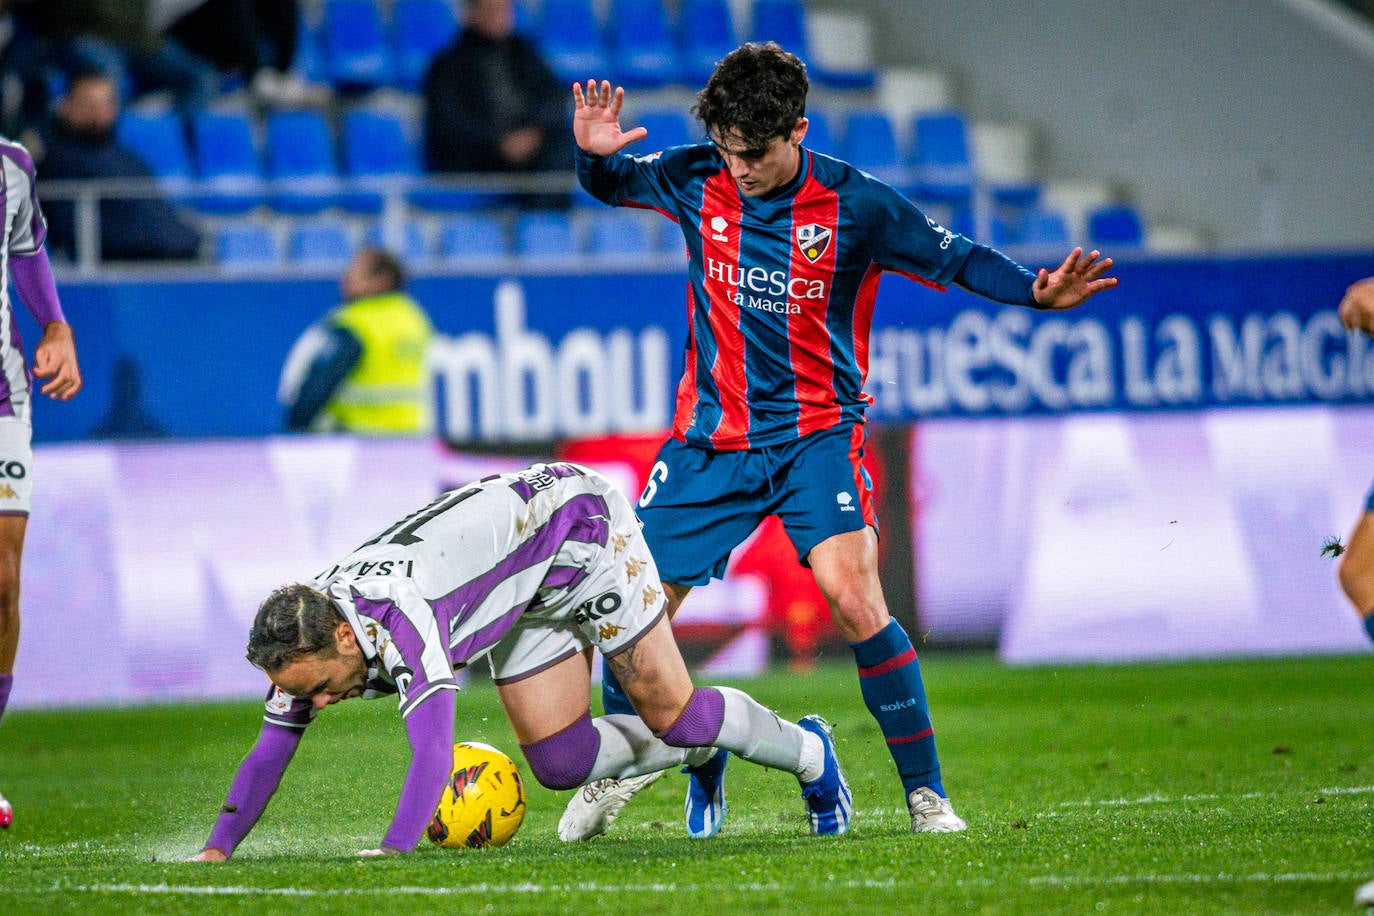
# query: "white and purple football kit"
(526, 568)
(23, 261)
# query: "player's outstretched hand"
(1357, 306)
(596, 119)
(54, 359)
(209, 854)
(1074, 282)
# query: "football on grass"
(483, 801)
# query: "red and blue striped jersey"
(780, 288)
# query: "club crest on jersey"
(813, 239)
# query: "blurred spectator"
(25, 98)
(83, 146)
(127, 417)
(491, 102)
(364, 367)
(252, 39)
(121, 39)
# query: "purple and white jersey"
(553, 550)
(23, 234)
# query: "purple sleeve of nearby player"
(33, 278)
(256, 780)
(430, 729)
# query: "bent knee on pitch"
(563, 760)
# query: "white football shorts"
(620, 599)
(16, 466)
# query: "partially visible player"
(25, 262)
(1356, 571)
(786, 248)
(532, 569)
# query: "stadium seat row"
(365, 44)
(326, 243)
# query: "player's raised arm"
(1075, 281)
(596, 119)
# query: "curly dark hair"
(294, 621)
(757, 92)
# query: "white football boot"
(6, 813)
(930, 813)
(593, 808)
(1364, 896)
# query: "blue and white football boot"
(828, 802)
(705, 804)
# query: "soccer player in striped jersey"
(24, 261)
(785, 249)
(531, 569)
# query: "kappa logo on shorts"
(7, 492)
(633, 567)
(845, 500)
(813, 239)
(608, 630)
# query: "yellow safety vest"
(389, 392)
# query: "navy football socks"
(890, 680)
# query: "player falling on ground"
(532, 569)
(54, 358)
(785, 249)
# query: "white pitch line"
(1155, 799)
(485, 888)
(1222, 878)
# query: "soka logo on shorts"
(845, 500)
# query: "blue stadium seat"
(309, 59)
(621, 234)
(1034, 226)
(545, 234)
(940, 148)
(419, 30)
(641, 41)
(706, 33)
(1118, 225)
(950, 205)
(870, 142)
(300, 159)
(413, 246)
(667, 127)
(819, 136)
(227, 161)
(376, 143)
(320, 244)
(783, 21)
(472, 237)
(353, 43)
(571, 38)
(248, 246)
(159, 138)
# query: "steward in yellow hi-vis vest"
(364, 368)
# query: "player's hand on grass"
(55, 359)
(210, 854)
(596, 119)
(1073, 282)
(1357, 307)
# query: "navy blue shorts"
(1368, 504)
(700, 504)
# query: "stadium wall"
(1251, 120)
(1151, 476)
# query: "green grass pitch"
(1223, 787)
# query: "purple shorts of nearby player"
(700, 504)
